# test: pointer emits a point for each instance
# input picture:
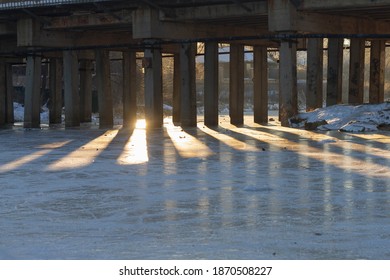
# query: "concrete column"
(6, 94)
(260, 84)
(152, 64)
(188, 86)
(236, 84)
(211, 89)
(288, 95)
(3, 93)
(32, 106)
(314, 84)
(356, 71)
(71, 89)
(103, 79)
(176, 113)
(55, 80)
(9, 95)
(334, 90)
(85, 68)
(377, 71)
(129, 88)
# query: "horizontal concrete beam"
(216, 12)
(8, 45)
(333, 24)
(283, 16)
(31, 34)
(147, 24)
(102, 38)
(337, 4)
(88, 21)
(7, 29)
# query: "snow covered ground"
(362, 118)
(251, 192)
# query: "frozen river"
(253, 192)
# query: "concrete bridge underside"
(72, 34)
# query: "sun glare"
(136, 149)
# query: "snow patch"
(19, 113)
(347, 118)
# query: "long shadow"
(296, 141)
(87, 146)
(117, 145)
(293, 173)
(357, 153)
(35, 145)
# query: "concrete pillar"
(129, 88)
(55, 85)
(3, 94)
(32, 106)
(9, 95)
(211, 89)
(103, 79)
(260, 84)
(356, 71)
(188, 86)
(85, 68)
(152, 64)
(314, 84)
(6, 94)
(236, 84)
(176, 113)
(334, 90)
(377, 72)
(71, 89)
(288, 95)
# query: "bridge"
(73, 34)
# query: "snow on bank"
(19, 113)
(347, 118)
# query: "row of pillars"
(74, 77)
(314, 90)
(184, 95)
(77, 77)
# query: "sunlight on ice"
(228, 140)
(344, 161)
(187, 145)
(86, 154)
(376, 137)
(17, 163)
(23, 160)
(136, 149)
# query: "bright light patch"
(341, 160)
(44, 149)
(136, 149)
(23, 160)
(86, 154)
(187, 145)
(228, 140)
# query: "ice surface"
(251, 192)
